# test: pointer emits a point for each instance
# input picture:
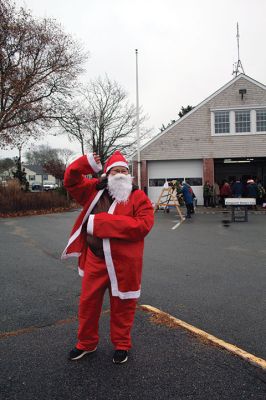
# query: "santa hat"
(115, 160)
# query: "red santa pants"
(94, 284)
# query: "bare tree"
(64, 155)
(73, 118)
(102, 120)
(39, 65)
(45, 154)
(39, 155)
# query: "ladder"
(167, 199)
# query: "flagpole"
(137, 115)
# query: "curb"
(167, 319)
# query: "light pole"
(137, 115)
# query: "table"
(240, 204)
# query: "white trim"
(212, 124)
(117, 164)
(90, 224)
(72, 159)
(95, 166)
(199, 106)
(71, 255)
(238, 134)
(81, 272)
(232, 121)
(77, 232)
(247, 107)
(253, 122)
(111, 268)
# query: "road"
(207, 272)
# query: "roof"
(228, 84)
(38, 169)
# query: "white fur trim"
(77, 232)
(111, 268)
(65, 256)
(72, 159)
(90, 224)
(81, 272)
(94, 165)
(117, 164)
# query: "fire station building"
(223, 137)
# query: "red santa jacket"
(122, 228)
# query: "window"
(175, 179)
(45, 177)
(31, 177)
(222, 123)
(194, 181)
(242, 121)
(157, 182)
(261, 120)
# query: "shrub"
(13, 199)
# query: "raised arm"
(75, 180)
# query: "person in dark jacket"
(261, 193)
(237, 188)
(188, 198)
(207, 194)
(252, 190)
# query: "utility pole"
(137, 115)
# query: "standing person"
(252, 190)
(237, 188)
(216, 194)
(108, 238)
(261, 193)
(225, 192)
(188, 198)
(207, 194)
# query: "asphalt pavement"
(207, 272)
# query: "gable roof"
(231, 82)
(38, 169)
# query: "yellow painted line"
(170, 321)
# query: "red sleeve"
(126, 227)
(75, 181)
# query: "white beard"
(119, 187)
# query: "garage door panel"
(159, 171)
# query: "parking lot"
(207, 272)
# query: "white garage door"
(160, 171)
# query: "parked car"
(50, 186)
(36, 187)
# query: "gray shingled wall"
(191, 138)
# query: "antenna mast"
(238, 65)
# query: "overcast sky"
(186, 49)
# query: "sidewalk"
(164, 364)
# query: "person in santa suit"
(108, 239)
